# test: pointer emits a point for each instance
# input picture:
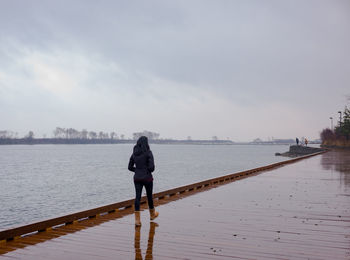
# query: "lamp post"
(339, 118)
(331, 118)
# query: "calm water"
(44, 181)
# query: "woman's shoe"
(137, 219)
(153, 213)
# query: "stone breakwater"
(298, 150)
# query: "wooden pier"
(299, 211)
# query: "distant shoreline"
(36, 141)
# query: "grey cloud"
(251, 53)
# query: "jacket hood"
(137, 150)
(141, 146)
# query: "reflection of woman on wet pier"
(137, 244)
(142, 164)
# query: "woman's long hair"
(142, 144)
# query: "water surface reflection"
(339, 161)
(137, 242)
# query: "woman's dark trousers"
(149, 189)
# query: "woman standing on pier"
(142, 164)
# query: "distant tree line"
(6, 134)
(71, 133)
(150, 135)
(340, 135)
(72, 136)
(63, 135)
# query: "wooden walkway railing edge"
(12, 233)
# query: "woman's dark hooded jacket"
(142, 163)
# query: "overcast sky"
(235, 69)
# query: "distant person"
(142, 164)
(297, 140)
(306, 142)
